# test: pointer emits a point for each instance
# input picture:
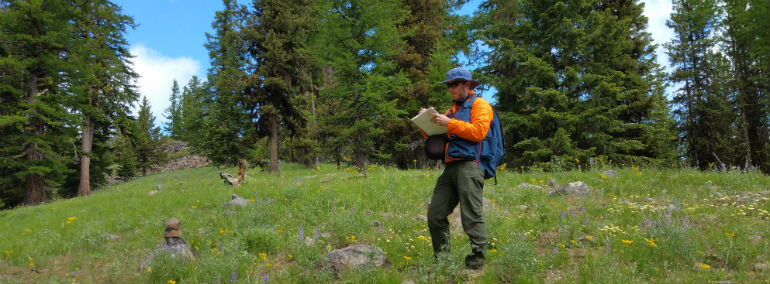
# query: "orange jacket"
(476, 130)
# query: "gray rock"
(153, 192)
(761, 267)
(573, 188)
(228, 212)
(326, 235)
(422, 218)
(755, 240)
(238, 201)
(610, 173)
(523, 207)
(174, 246)
(356, 256)
(110, 236)
(309, 241)
(158, 186)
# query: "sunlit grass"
(645, 225)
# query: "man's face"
(459, 90)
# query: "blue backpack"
(492, 149)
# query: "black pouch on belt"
(434, 146)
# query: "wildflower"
(171, 282)
(704, 266)
(573, 242)
(555, 250)
(603, 176)
(493, 251)
(730, 234)
(290, 256)
(651, 242)
(214, 250)
(221, 231)
(422, 238)
(627, 242)
(562, 245)
(149, 269)
(193, 207)
(8, 252)
(407, 258)
(263, 256)
(589, 237)
(71, 219)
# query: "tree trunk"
(35, 193)
(85, 160)
(273, 141)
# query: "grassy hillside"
(641, 226)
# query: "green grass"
(678, 226)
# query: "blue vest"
(459, 147)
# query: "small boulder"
(573, 188)
(174, 244)
(422, 218)
(110, 236)
(610, 173)
(309, 241)
(761, 267)
(237, 201)
(356, 256)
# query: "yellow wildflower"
(407, 258)
(730, 234)
(704, 266)
(573, 242)
(562, 245)
(149, 269)
(651, 242)
(290, 256)
(422, 238)
(493, 251)
(589, 237)
(603, 176)
(627, 242)
(171, 282)
(71, 219)
(193, 207)
(263, 256)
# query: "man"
(462, 182)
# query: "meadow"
(641, 226)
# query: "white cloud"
(658, 12)
(156, 75)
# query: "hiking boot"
(475, 260)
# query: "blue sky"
(168, 41)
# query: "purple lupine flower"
(234, 278)
(574, 212)
(583, 209)
(219, 279)
(315, 235)
(523, 236)
(586, 221)
(266, 277)
(564, 214)
(555, 250)
(301, 234)
(607, 245)
(506, 212)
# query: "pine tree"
(276, 32)
(747, 42)
(195, 108)
(102, 83)
(173, 113)
(34, 125)
(576, 80)
(358, 41)
(422, 50)
(149, 145)
(699, 102)
(227, 122)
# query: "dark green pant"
(462, 182)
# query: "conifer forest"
(576, 84)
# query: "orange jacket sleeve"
(476, 130)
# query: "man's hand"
(440, 119)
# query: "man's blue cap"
(459, 73)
